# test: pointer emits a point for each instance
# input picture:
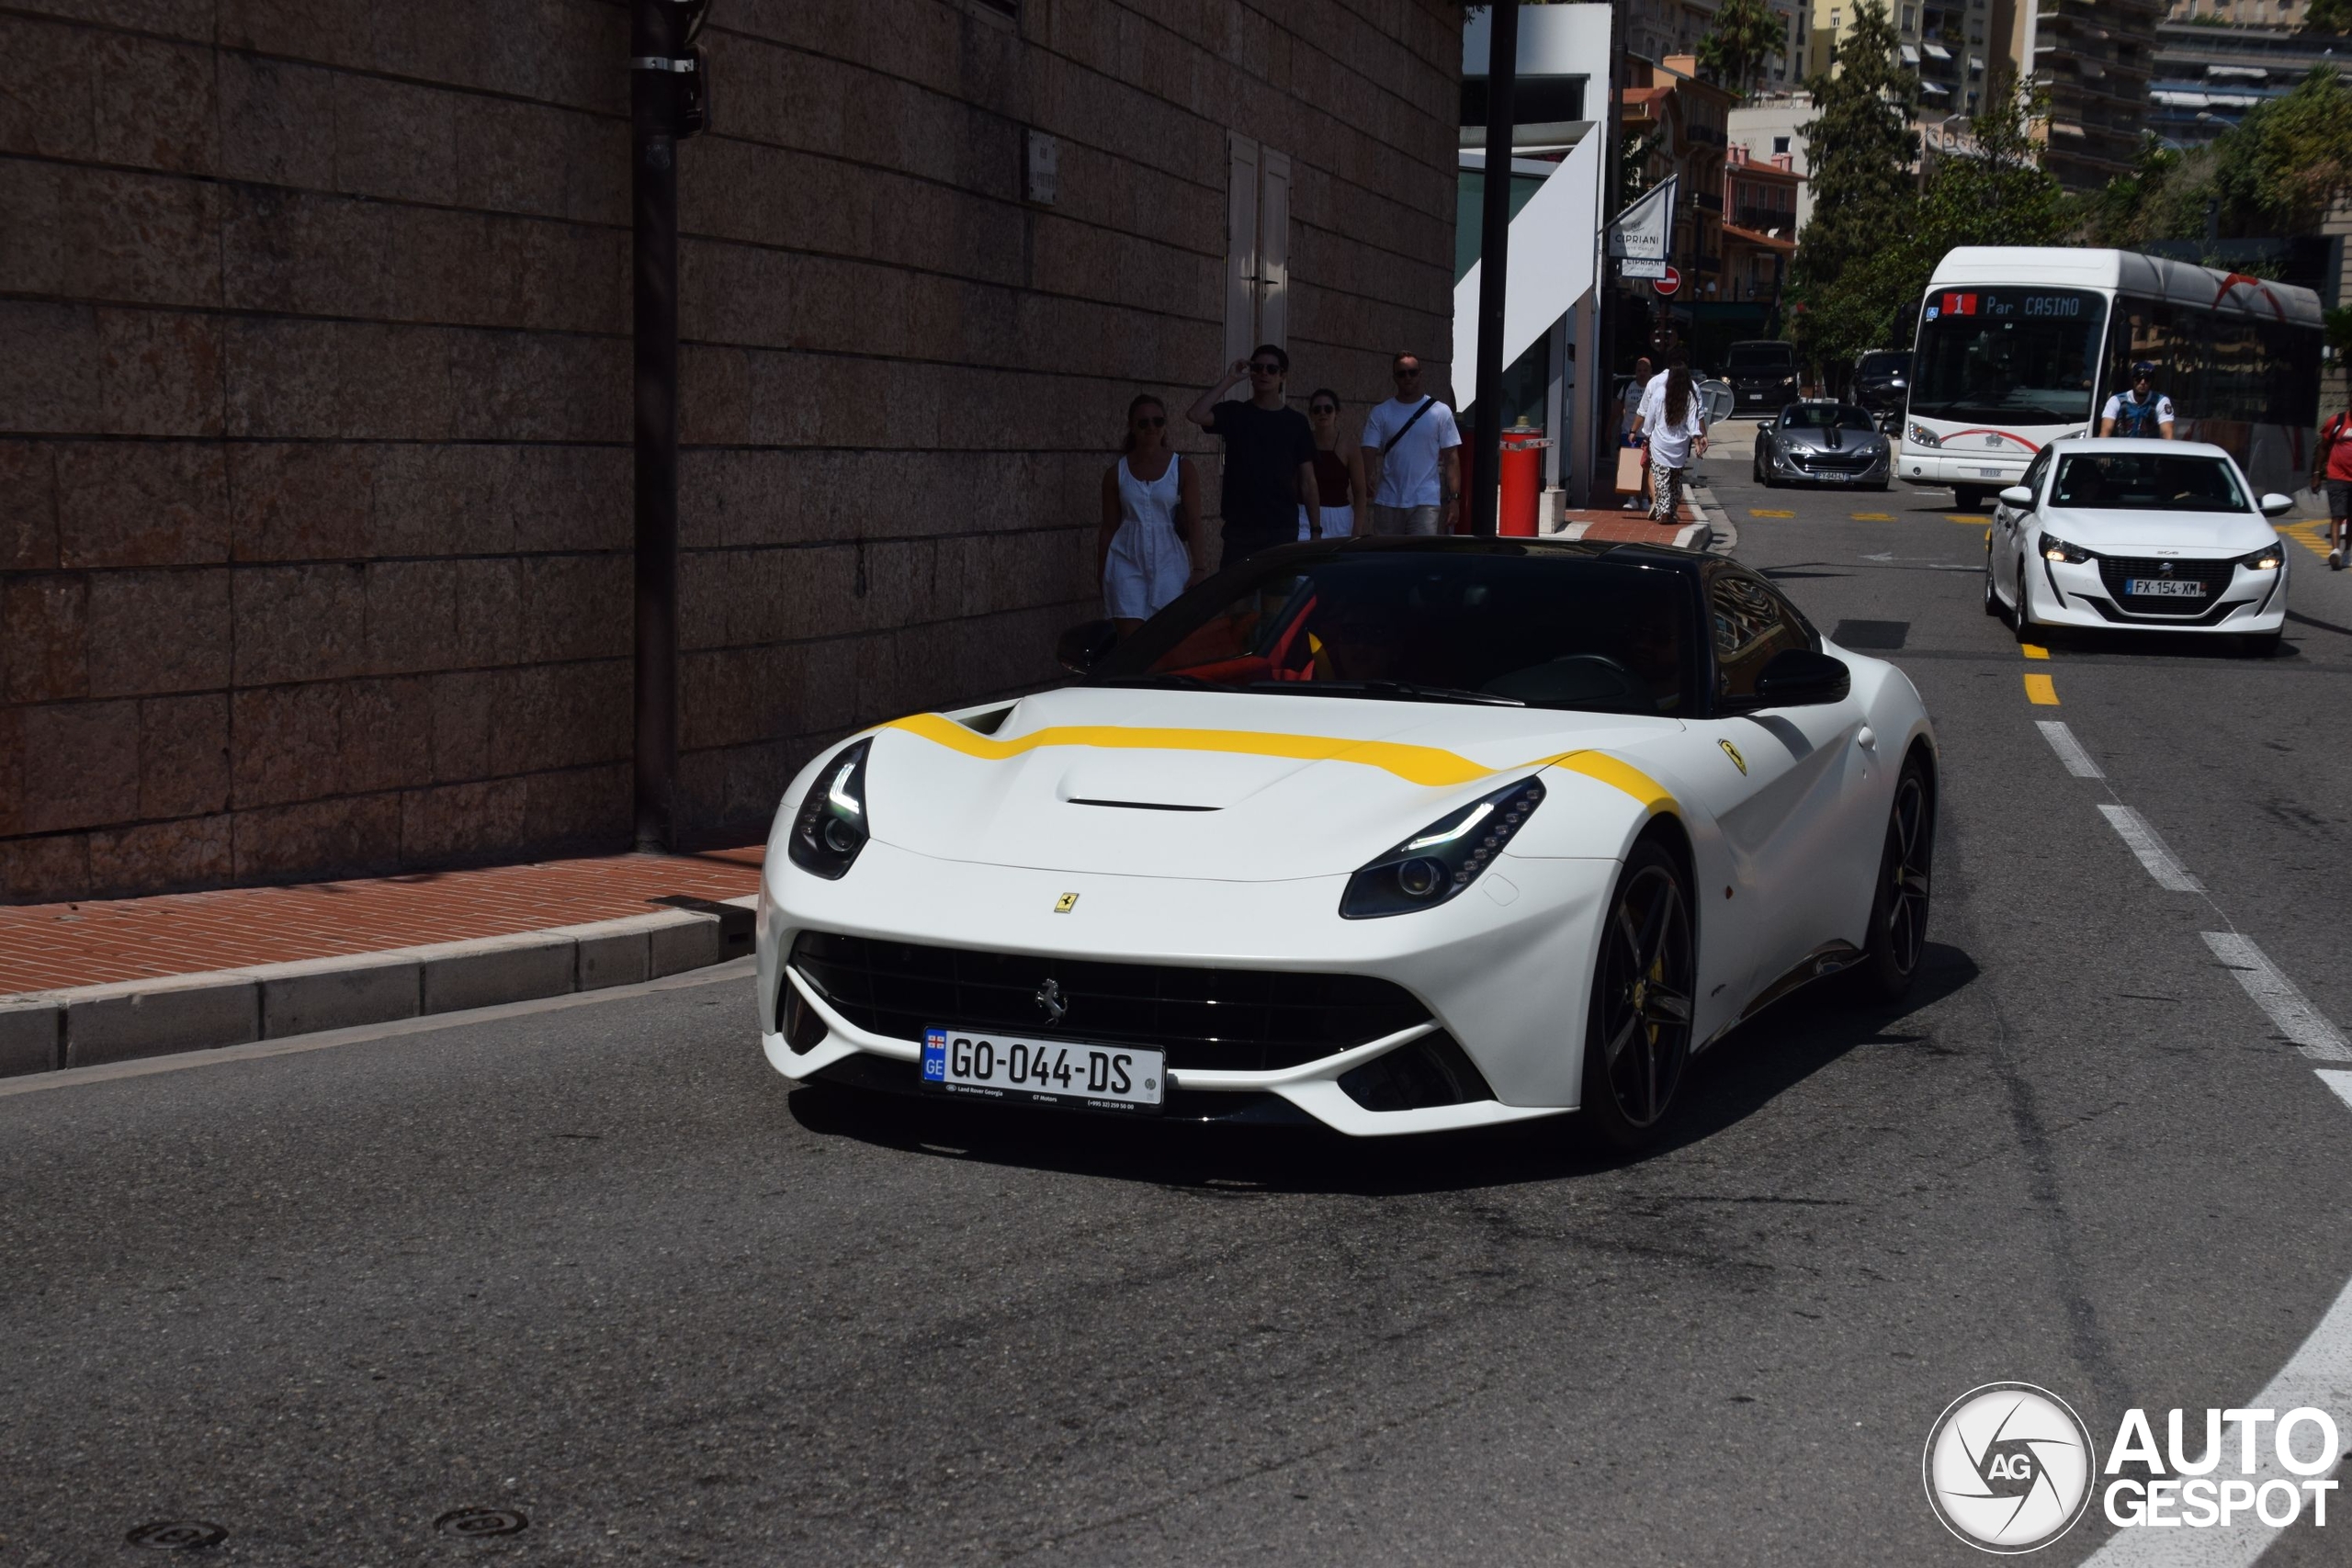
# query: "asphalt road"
(594, 1265)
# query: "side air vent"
(1432, 1070)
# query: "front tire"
(1637, 1031)
(1898, 935)
(2260, 645)
(2022, 619)
(1992, 599)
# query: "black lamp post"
(668, 97)
(1494, 263)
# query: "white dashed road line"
(2277, 996)
(2070, 750)
(2338, 1080)
(2170, 875)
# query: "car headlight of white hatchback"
(1441, 859)
(2267, 559)
(831, 825)
(2057, 549)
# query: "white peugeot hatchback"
(2160, 535)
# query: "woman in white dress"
(1151, 518)
(1338, 475)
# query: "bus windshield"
(2007, 356)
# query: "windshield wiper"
(1402, 690)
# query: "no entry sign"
(1671, 283)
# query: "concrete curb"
(85, 1026)
(1722, 538)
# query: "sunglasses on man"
(1265, 367)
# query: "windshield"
(1528, 626)
(2007, 356)
(1889, 364)
(1826, 416)
(1762, 356)
(2147, 481)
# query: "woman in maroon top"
(1339, 470)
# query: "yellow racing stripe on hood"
(1429, 766)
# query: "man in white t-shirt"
(1412, 458)
(2141, 411)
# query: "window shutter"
(1273, 248)
(1241, 251)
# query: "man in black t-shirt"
(1269, 457)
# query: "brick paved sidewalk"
(50, 946)
(1630, 527)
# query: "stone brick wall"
(314, 403)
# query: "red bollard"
(1522, 471)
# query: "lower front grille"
(2215, 575)
(1206, 1019)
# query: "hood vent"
(1141, 805)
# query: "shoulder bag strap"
(1391, 442)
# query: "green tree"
(1865, 194)
(1744, 36)
(2328, 17)
(2276, 172)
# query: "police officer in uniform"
(2143, 411)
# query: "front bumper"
(2075, 593)
(1786, 467)
(1932, 466)
(1504, 968)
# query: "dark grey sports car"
(1826, 442)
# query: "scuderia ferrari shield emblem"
(1069, 901)
(1736, 760)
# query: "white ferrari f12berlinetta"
(1397, 835)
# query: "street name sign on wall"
(1641, 235)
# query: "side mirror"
(2018, 495)
(1798, 677)
(2274, 505)
(1082, 647)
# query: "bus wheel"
(1968, 498)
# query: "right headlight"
(831, 826)
(1921, 435)
(2057, 549)
(1441, 859)
(2267, 559)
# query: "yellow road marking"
(2311, 533)
(1763, 512)
(1872, 517)
(1427, 765)
(1973, 519)
(2041, 690)
(2034, 650)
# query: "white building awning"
(1554, 251)
(1910, 54)
(1938, 52)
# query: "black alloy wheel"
(1637, 1032)
(1898, 936)
(1992, 599)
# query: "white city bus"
(2019, 345)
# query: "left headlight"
(2055, 549)
(831, 826)
(2267, 559)
(1922, 436)
(1441, 859)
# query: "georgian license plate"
(2163, 587)
(1044, 1072)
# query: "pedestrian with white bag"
(1412, 458)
